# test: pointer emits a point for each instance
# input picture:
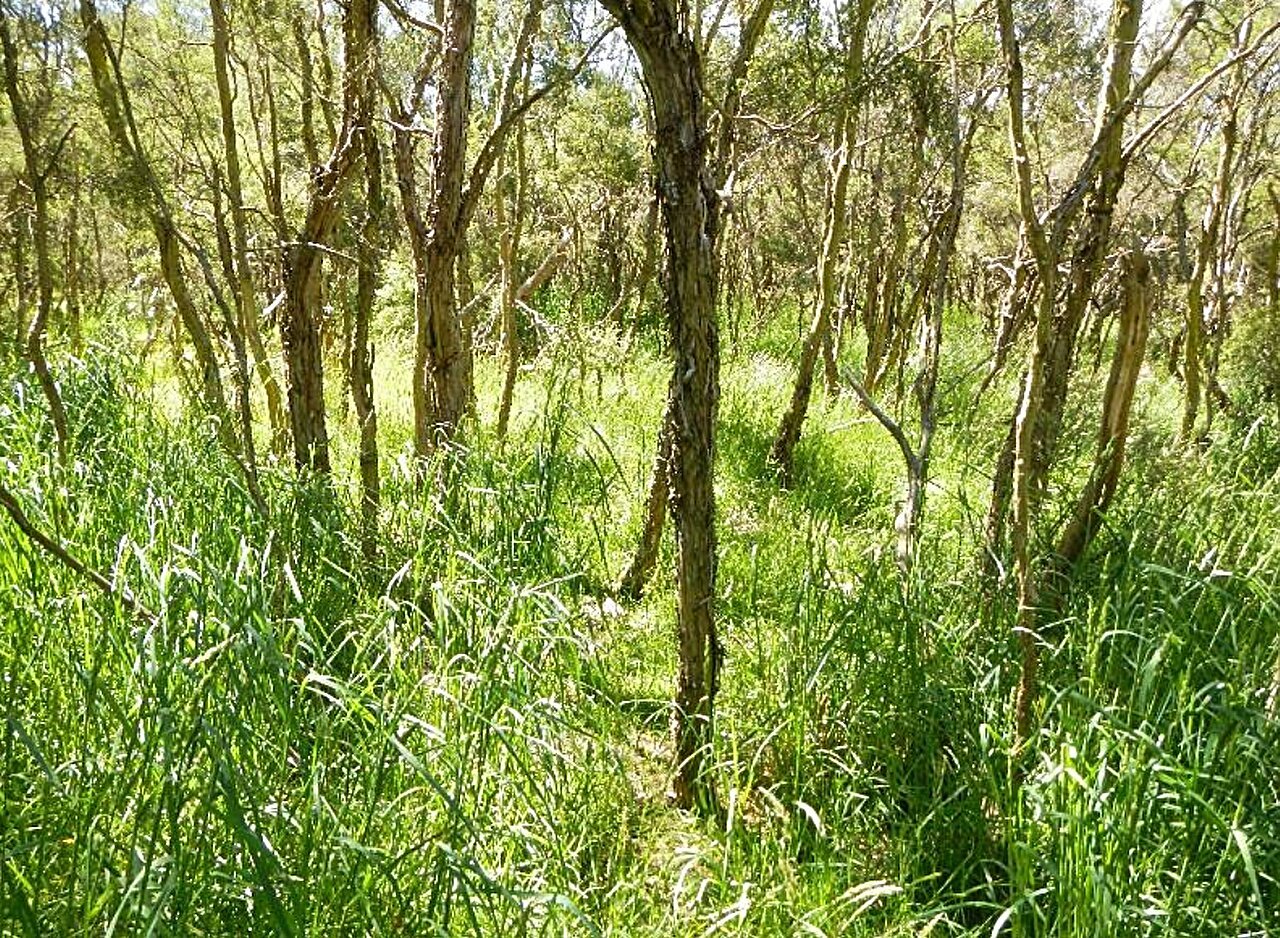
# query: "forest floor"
(470, 735)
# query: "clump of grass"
(469, 736)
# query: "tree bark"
(440, 338)
(36, 168)
(673, 73)
(300, 323)
(245, 299)
(636, 577)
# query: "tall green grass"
(469, 738)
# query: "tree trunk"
(117, 113)
(636, 577)
(360, 359)
(300, 323)
(673, 73)
(1097, 183)
(245, 300)
(37, 177)
(1117, 403)
(642, 563)
(1028, 409)
(1207, 247)
(21, 272)
(440, 339)
(510, 229)
(782, 453)
(72, 268)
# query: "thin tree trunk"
(782, 453)
(1207, 247)
(113, 102)
(416, 227)
(636, 577)
(550, 264)
(300, 324)
(21, 273)
(369, 272)
(245, 299)
(72, 268)
(1029, 406)
(1117, 403)
(880, 333)
(310, 148)
(37, 177)
(673, 73)
(1098, 182)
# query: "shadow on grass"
(826, 484)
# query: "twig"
(60, 553)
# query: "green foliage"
(470, 738)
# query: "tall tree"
(360, 351)
(145, 191)
(782, 454)
(645, 558)
(244, 293)
(671, 61)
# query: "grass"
(469, 738)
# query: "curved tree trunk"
(645, 559)
(300, 323)
(782, 453)
(1117, 403)
(21, 273)
(636, 577)
(113, 102)
(1207, 247)
(37, 176)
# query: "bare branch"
(64, 557)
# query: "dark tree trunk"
(300, 322)
(360, 353)
(673, 72)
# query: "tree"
(304, 257)
(142, 190)
(39, 157)
(782, 454)
(672, 65)
(243, 290)
(636, 576)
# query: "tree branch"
(63, 556)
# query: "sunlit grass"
(469, 736)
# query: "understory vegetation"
(470, 735)
(655, 468)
